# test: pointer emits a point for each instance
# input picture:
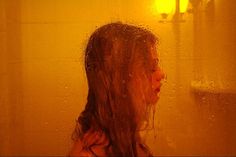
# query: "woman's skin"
(98, 144)
(157, 74)
(97, 140)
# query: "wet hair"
(116, 60)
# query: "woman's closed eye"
(155, 63)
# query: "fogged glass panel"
(43, 85)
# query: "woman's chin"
(155, 98)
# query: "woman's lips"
(157, 89)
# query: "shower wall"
(3, 81)
(11, 100)
(43, 84)
(214, 83)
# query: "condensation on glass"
(43, 83)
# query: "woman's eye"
(154, 69)
(156, 62)
(155, 65)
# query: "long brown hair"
(116, 56)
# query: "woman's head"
(123, 80)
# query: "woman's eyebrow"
(156, 61)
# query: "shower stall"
(43, 85)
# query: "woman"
(124, 81)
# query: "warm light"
(183, 6)
(165, 6)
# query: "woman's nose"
(160, 75)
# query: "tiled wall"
(4, 121)
(43, 84)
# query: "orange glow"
(183, 6)
(165, 6)
(168, 6)
(44, 87)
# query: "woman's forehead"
(154, 53)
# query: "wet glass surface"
(44, 87)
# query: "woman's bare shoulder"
(93, 142)
(78, 150)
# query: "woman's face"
(146, 85)
(156, 75)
